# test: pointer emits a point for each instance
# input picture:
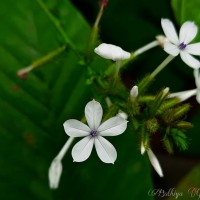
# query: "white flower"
(109, 51)
(153, 160)
(55, 172)
(93, 134)
(184, 95)
(181, 44)
(134, 92)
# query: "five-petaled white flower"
(93, 133)
(113, 52)
(181, 44)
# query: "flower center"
(182, 46)
(93, 133)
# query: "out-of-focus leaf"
(189, 186)
(187, 11)
(32, 112)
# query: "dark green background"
(32, 111)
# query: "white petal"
(109, 51)
(193, 49)
(55, 172)
(189, 60)
(171, 49)
(93, 114)
(113, 126)
(134, 91)
(142, 148)
(169, 31)
(198, 96)
(105, 150)
(155, 163)
(197, 78)
(184, 95)
(75, 128)
(82, 150)
(188, 32)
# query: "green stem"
(65, 148)
(162, 66)
(22, 73)
(133, 56)
(96, 24)
(45, 59)
(146, 48)
(93, 36)
(118, 65)
(56, 23)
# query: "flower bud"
(142, 148)
(134, 92)
(23, 73)
(55, 172)
(103, 3)
(109, 51)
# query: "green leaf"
(189, 185)
(185, 10)
(32, 111)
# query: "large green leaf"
(187, 11)
(32, 111)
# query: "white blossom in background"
(93, 134)
(180, 44)
(109, 51)
(184, 95)
(55, 172)
(153, 160)
(134, 91)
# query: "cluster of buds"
(161, 113)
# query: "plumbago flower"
(176, 45)
(93, 134)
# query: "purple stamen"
(182, 46)
(93, 133)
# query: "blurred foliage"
(32, 111)
(189, 185)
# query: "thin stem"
(118, 65)
(134, 54)
(108, 102)
(96, 24)
(64, 148)
(56, 23)
(51, 55)
(162, 66)
(93, 36)
(22, 73)
(146, 47)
